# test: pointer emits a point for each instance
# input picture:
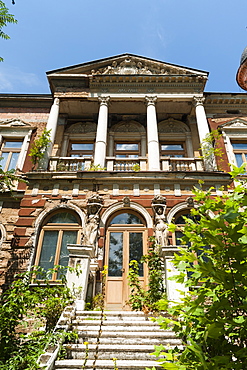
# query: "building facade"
(127, 147)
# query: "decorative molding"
(82, 128)
(236, 123)
(128, 126)
(172, 126)
(198, 100)
(104, 100)
(150, 100)
(14, 123)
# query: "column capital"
(104, 100)
(198, 100)
(150, 100)
(56, 101)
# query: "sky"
(207, 35)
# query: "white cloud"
(12, 79)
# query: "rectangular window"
(77, 149)
(240, 152)
(174, 149)
(10, 152)
(127, 150)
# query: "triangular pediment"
(127, 64)
(14, 123)
(235, 124)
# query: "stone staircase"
(127, 336)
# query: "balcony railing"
(75, 164)
(181, 164)
(69, 164)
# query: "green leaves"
(211, 319)
(39, 147)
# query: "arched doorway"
(126, 240)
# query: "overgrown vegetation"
(41, 305)
(211, 319)
(8, 179)
(142, 299)
(39, 147)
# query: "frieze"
(132, 66)
(237, 123)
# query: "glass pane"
(128, 146)
(3, 161)
(115, 264)
(136, 249)
(172, 147)
(69, 237)
(63, 218)
(13, 161)
(13, 144)
(239, 159)
(48, 251)
(82, 146)
(239, 146)
(126, 218)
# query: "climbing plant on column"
(211, 318)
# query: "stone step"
(121, 352)
(118, 328)
(106, 364)
(116, 315)
(84, 322)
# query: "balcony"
(168, 164)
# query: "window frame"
(60, 227)
(172, 153)
(127, 152)
(88, 153)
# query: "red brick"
(27, 221)
(20, 231)
(28, 202)
(26, 211)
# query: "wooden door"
(123, 245)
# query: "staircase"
(127, 336)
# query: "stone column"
(51, 125)
(101, 135)
(203, 131)
(173, 288)
(79, 257)
(152, 135)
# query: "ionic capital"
(56, 101)
(104, 100)
(198, 100)
(150, 100)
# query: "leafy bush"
(40, 303)
(211, 319)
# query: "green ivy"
(39, 147)
(142, 299)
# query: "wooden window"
(61, 229)
(10, 152)
(127, 150)
(240, 152)
(173, 149)
(81, 149)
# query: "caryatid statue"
(91, 228)
(160, 224)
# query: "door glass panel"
(69, 237)
(115, 254)
(48, 249)
(3, 161)
(136, 249)
(126, 218)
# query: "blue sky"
(208, 35)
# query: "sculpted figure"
(91, 229)
(161, 228)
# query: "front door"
(124, 243)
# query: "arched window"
(59, 230)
